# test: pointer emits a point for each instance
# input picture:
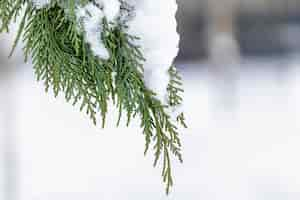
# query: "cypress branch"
(65, 64)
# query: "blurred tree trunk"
(222, 43)
(223, 49)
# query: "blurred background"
(240, 60)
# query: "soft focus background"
(240, 60)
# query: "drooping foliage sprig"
(65, 64)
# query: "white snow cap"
(91, 16)
(40, 3)
(155, 24)
(111, 8)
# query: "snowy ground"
(242, 143)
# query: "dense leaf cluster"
(64, 63)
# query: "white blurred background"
(240, 60)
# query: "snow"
(111, 9)
(40, 3)
(91, 18)
(155, 24)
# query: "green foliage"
(9, 11)
(175, 93)
(136, 99)
(65, 64)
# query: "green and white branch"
(65, 63)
